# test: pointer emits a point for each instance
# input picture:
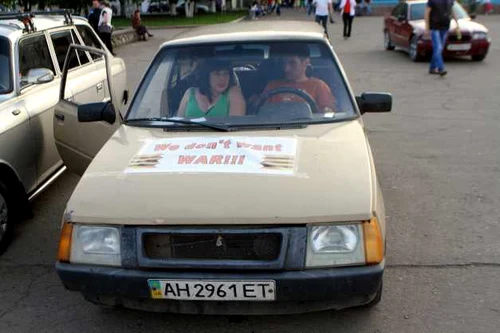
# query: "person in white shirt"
(323, 10)
(105, 26)
(348, 8)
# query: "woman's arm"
(183, 105)
(236, 102)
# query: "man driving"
(296, 60)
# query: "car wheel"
(6, 217)
(387, 41)
(414, 56)
(478, 57)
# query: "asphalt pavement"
(437, 156)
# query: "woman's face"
(219, 81)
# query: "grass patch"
(166, 20)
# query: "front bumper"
(297, 291)
(478, 47)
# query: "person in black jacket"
(95, 15)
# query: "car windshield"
(5, 72)
(243, 84)
(417, 11)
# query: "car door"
(78, 142)
(39, 100)
(406, 28)
(400, 14)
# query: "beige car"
(32, 55)
(241, 181)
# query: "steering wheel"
(299, 92)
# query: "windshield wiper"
(182, 121)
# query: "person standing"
(323, 10)
(95, 15)
(348, 9)
(105, 26)
(437, 16)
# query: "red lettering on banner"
(212, 145)
(268, 148)
(201, 160)
(241, 159)
(243, 145)
(186, 159)
(226, 144)
(257, 147)
(200, 145)
(226, 159)
(234, 159)
(216, 159)
(278, 147)
(162, 147)
(190, 146)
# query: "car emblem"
(219, 243)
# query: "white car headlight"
(479, 35)
(95, 245)
(335, 245)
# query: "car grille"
(258, 246)
(453, 38)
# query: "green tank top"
(219, 109)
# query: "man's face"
(295, 67)
(95, 3)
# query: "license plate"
(459, 47)
(215, 290)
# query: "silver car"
(33, 51)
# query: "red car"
(405, 26)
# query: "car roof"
(41, 22)
(249, 31)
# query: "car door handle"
(16, 112)
(99, 87)
(59, 117)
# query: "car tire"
(478, 57)
(7, 216)
(387, 41)
(413, 52)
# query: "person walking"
(348, 10)
(95, 15)
(105, 26)
(323, 10)
(437, 17)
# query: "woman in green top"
(215, 96)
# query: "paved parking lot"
(438, 161)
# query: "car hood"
(466, 25)
(332, 181)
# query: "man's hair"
(293, 49)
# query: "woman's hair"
(137, 11)
(212, 65)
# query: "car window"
(398, 10)
(33, 53)
(61, 41)
(244, 83)
(5, 68)
(89, 38)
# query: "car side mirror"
(104, 111)
(374, 102)
(39, 76)
(402, 18)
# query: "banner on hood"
(262, 155)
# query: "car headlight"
(344, 244)
(97, 245)
(479, 35)
(335, 245)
